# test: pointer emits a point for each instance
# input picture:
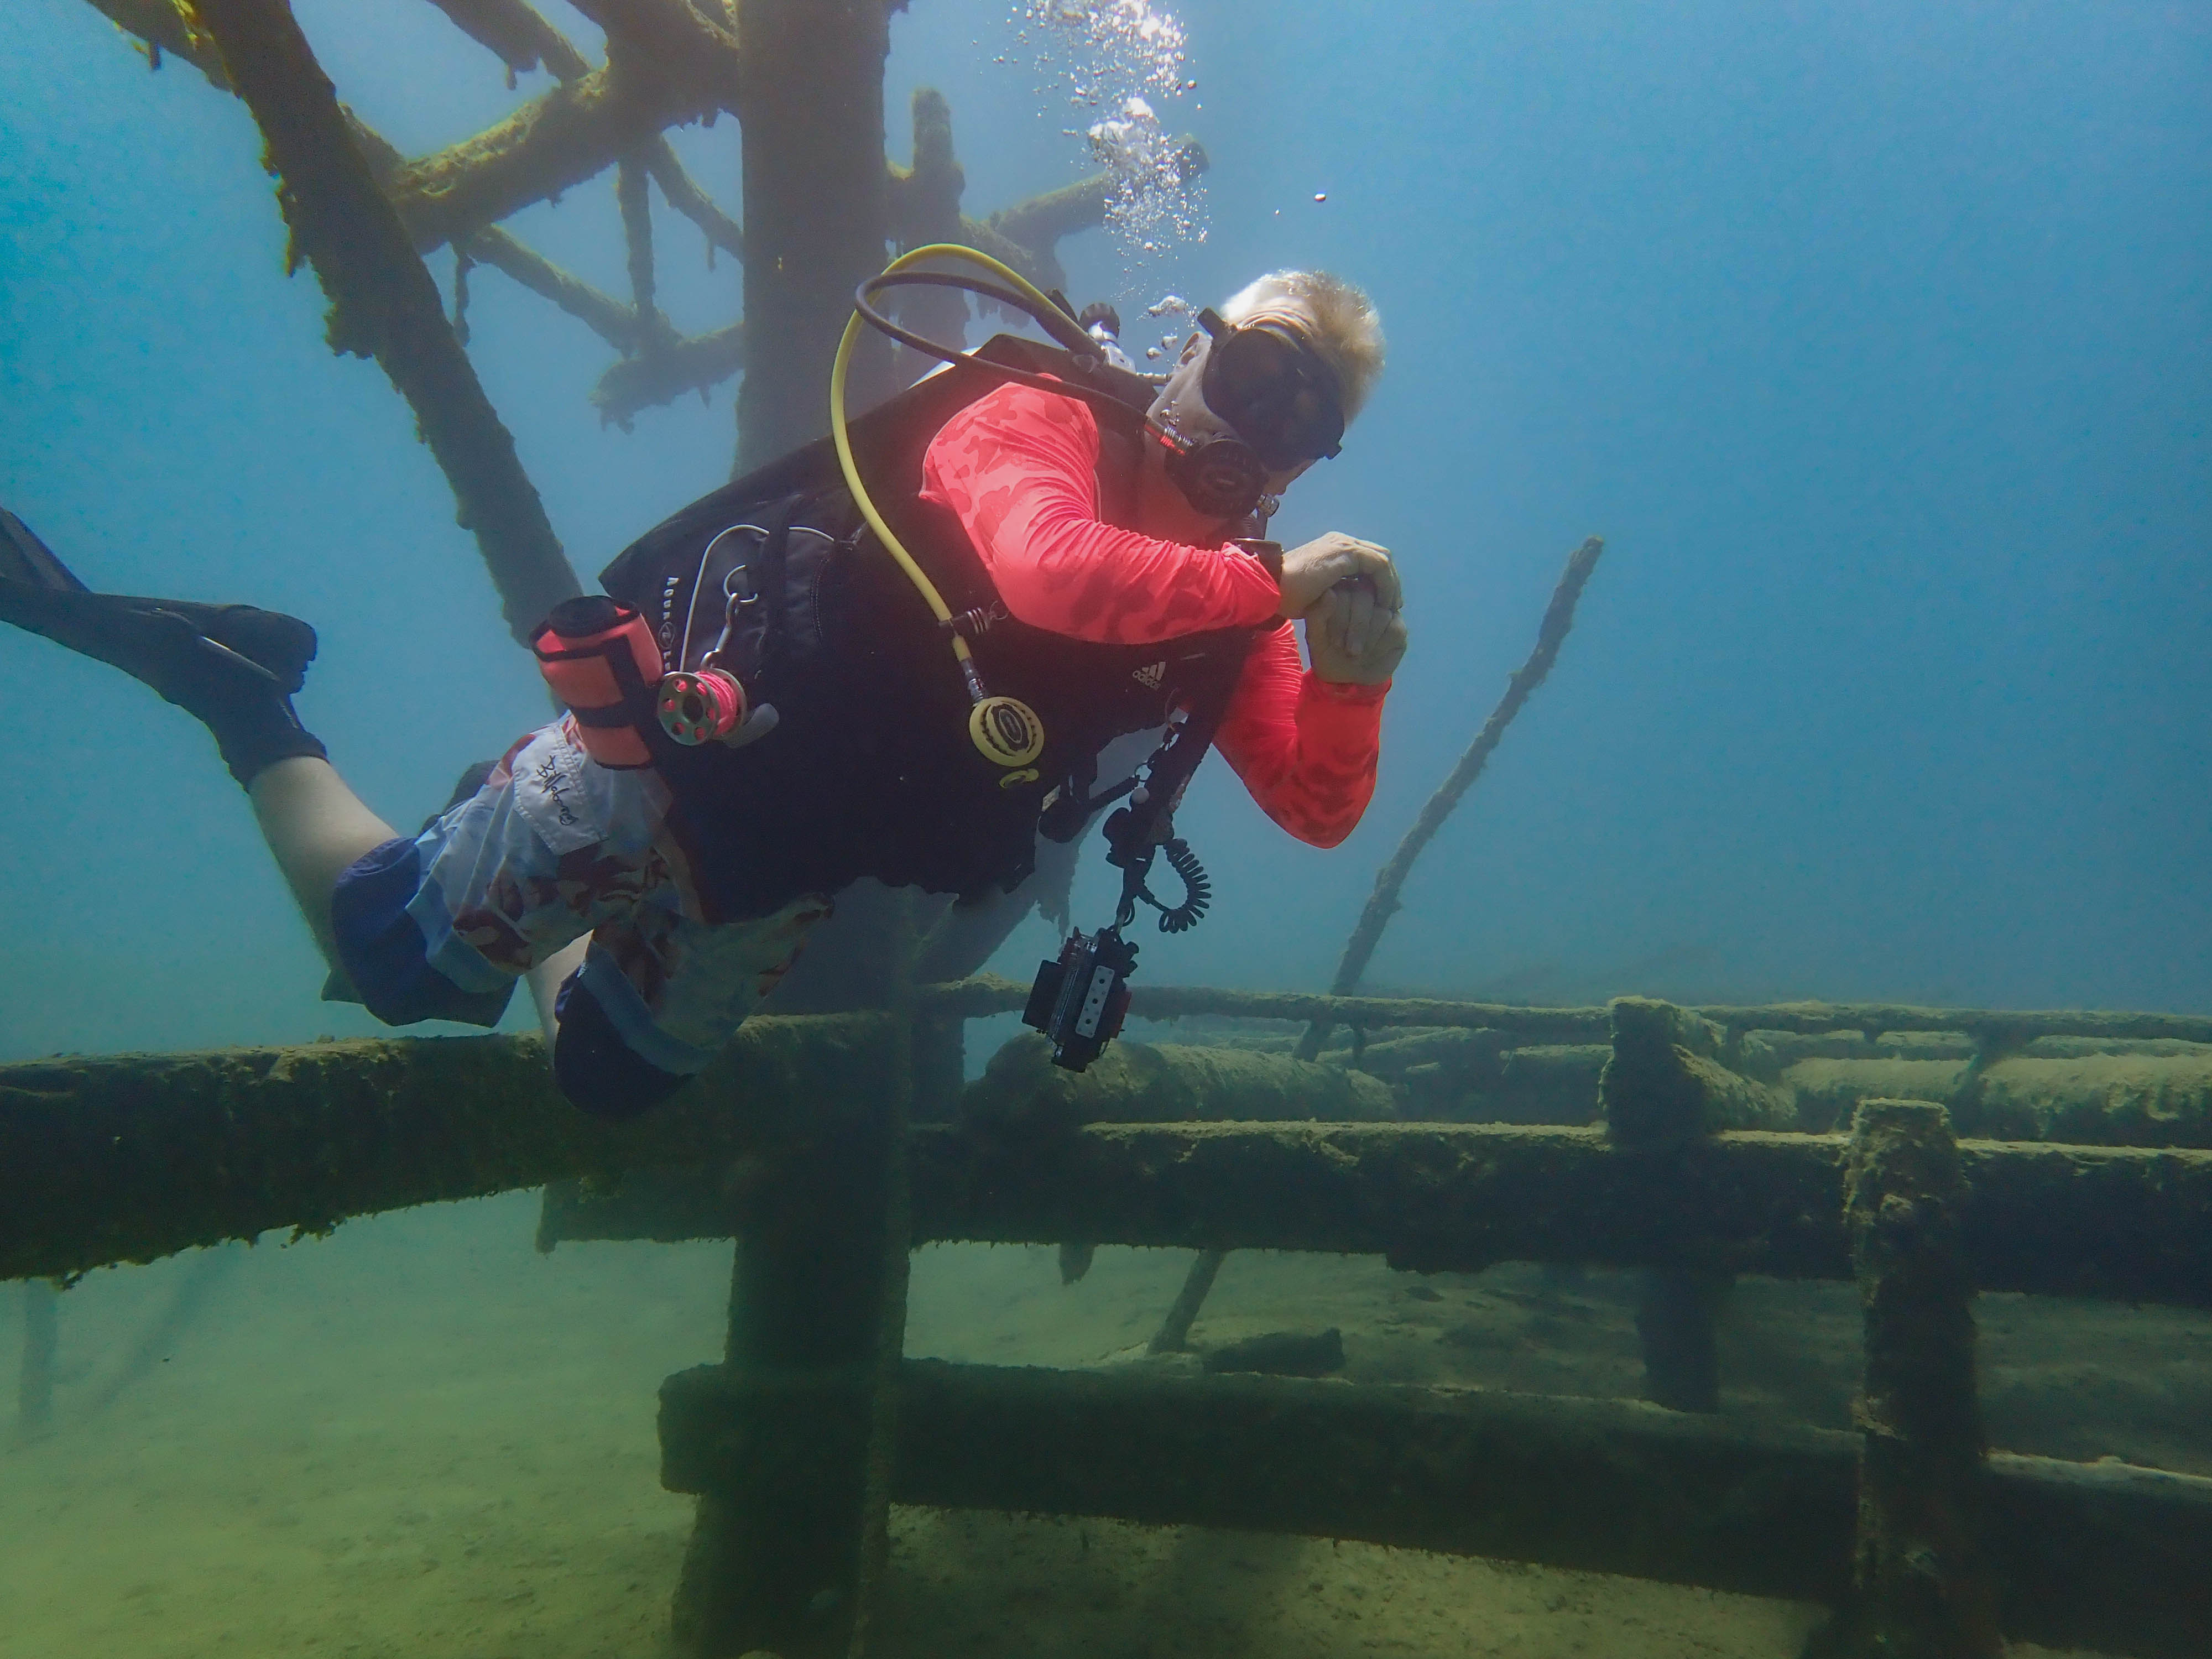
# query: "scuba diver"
(760, 714)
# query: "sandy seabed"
(418, 1437)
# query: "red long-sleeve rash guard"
(1019, 469)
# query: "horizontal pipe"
(2120, 1222)
(990, 994)
(2003, 1029)
(520, 39)
(130, 1157)
(665, 372)
(2097, 1555)
(610, 319)
(2059, 1220)
(554, 142)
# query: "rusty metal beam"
(382, 302)
(131, 1158)
(550, 145)
(519, 35)
(2100, 1556)
(2120, 1222)
(668, 372)
(991, 993)
(134, 1156)
(163, 30)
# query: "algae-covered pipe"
(383, 301)
(2098, 1556)
(130, 1157)
(2117, 1222)
(1023, 1094)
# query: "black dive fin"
(232, 667)
(24, 558)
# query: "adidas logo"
(1151, 675)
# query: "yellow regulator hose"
(1007, 730)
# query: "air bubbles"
(1128, 44)
(1152, 352)
(1116, 57)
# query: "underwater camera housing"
(1080, 1001)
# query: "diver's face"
(1182, 401)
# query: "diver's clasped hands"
(1351, 640)
(1311, 569)
(1347, 592)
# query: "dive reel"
(602, 660)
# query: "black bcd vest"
(870, 770)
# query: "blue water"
(1876, 339)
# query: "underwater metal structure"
(796, 1145)
(821, 202)
(830, 1145)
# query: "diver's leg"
(316, 827)
(545, 981)
(659, 994)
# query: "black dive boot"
(234, 667)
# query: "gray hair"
(1347, 333)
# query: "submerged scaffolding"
(812, 1425)
(1707, 1159)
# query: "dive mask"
(1280, 401)
(1266, 382)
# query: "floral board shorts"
(550, 848)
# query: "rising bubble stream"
(1115, 61)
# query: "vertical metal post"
(1173, 1334)
(1657, 1099)
(894, 1241)
(815, 210)
(786, 1561)
(940, 1065)
(1922, 1587)
(1676, 1327)
(34, 1388)
(928, 209)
